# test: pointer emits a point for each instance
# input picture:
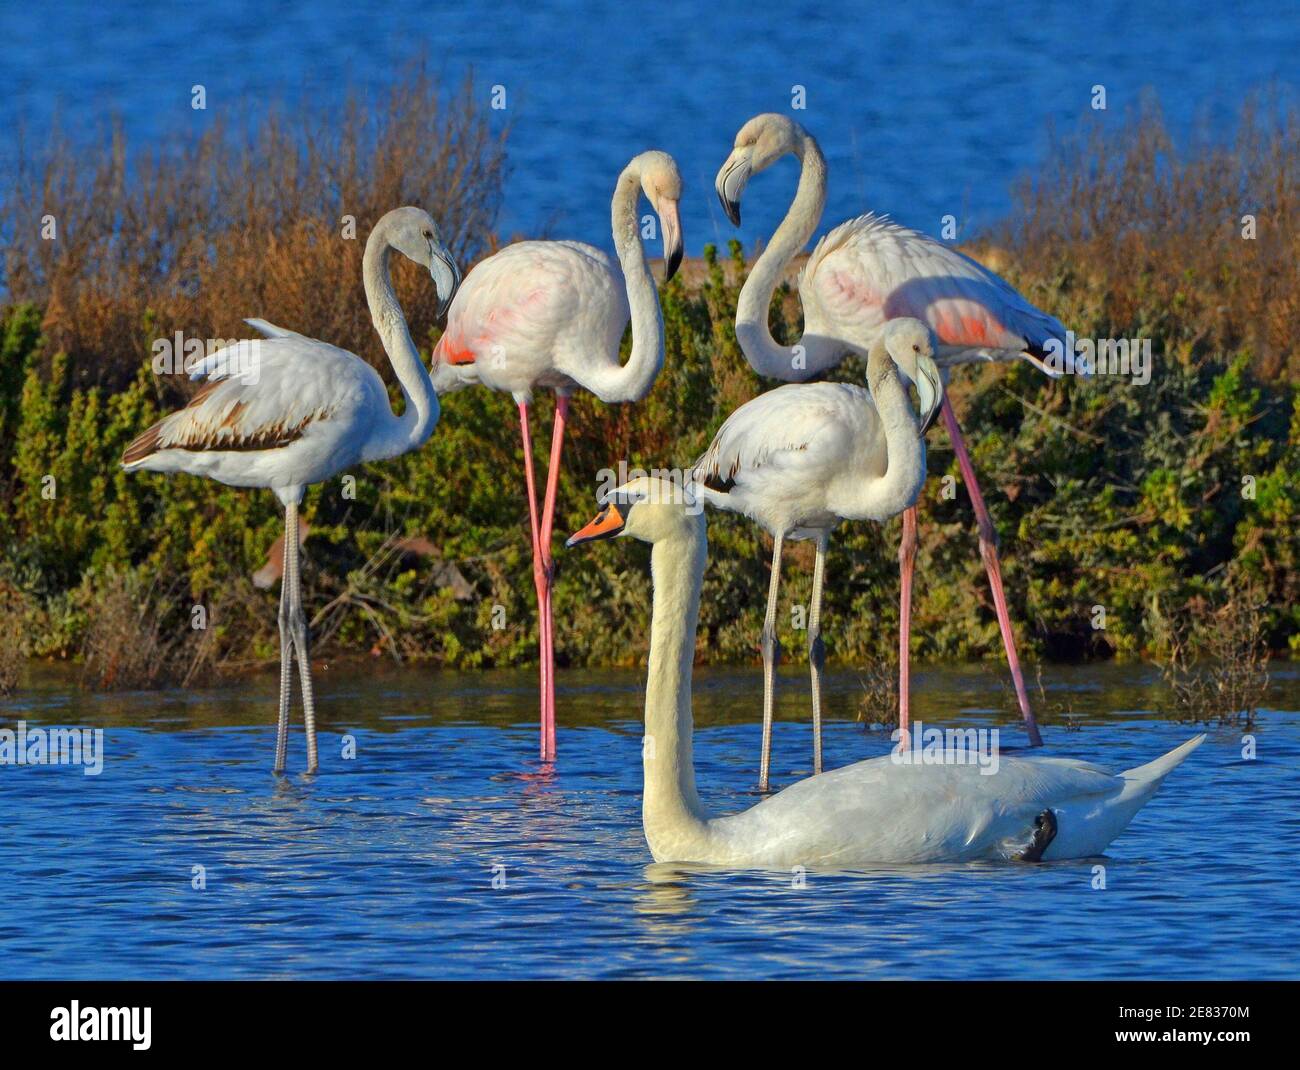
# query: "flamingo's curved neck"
(613, 382)
(788, 363)
(904, 476)
(675, 822)
(417, 422)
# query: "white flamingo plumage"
(288, 411)
(862, 274)
(878, 811)
(803, 457)
(551, 314)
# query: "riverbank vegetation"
(1121, 507)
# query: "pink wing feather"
(870, 270)
(523, 295)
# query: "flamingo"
(551, 314)
(803, 457)
(883, 810)
(860, 275)
(288, 411)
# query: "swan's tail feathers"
(1154, 772)
(1086, 829)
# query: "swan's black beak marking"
(606, 524)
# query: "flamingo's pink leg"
(548, 569)
(989, 552)
(906, 561)
(537, 567)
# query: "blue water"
(382, 866)
(923, 110)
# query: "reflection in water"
(445, 849)
(667, 890)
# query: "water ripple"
(384, 866)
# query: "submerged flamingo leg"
(301, 633)
(537, 566)
(771, 658)
(817, 648)
(286, 659)
(989, 552)
(548, 569)
(906, 563)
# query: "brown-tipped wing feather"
(238, 414)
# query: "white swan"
(874, 811)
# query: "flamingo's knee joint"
(816, 650)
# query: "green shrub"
(1137, 499)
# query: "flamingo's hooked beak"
(446, 275)
(929, 389)
(730, 183)
(606, 524)
(672, 225)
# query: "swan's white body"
(880, 811)
(287, 411)
(875, 811)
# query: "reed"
(1194, 243)
(208, 226)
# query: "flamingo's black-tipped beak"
(730, 184)
(446, 276)
(671, 222)
(929, 390)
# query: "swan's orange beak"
(607, 523)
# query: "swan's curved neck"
(904, 475)
(417, 422)
(674, 819)
(752, 330)
(613, 382)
